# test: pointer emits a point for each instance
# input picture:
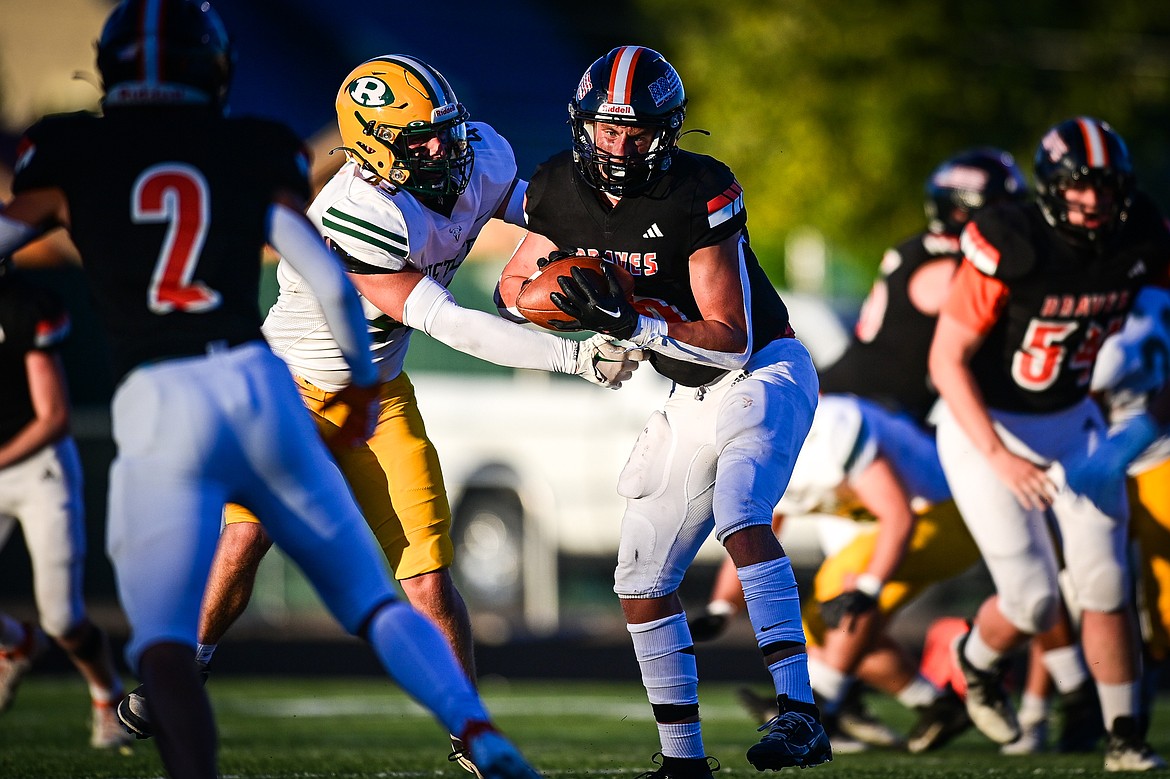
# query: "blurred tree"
(832, 112)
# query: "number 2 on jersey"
(177, 194)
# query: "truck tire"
(488, 533)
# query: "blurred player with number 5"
(1041, 286)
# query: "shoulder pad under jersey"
(999, 241)
(366, 224)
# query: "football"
(533, 301)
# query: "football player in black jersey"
(40, 488)
(886, 359)
(719, 454)
(1041, 286)
(885, 362)
(171, 236)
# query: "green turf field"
(346, 728)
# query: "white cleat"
(107, 732)
(1128, 751)
(1032, 741)
(988, 704)
(15, 663)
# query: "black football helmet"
(1078, 152)
(631, 85)
(967, 182)
(164, 51)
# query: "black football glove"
(553, 256)
(595, 304)
(851, 603)
(707, 626)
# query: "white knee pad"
(668, 482)
(645, 471)
(1100, 584)
(1032, 609)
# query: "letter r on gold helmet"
(400, 118)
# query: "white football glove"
(602, 361)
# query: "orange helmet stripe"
(1096, 149)
(621, 79)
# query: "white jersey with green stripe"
(385, 229)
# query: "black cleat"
(855, 721)
(1081, 726)
(988, 704)
(134, 715)
(938, 722)
(794, 737)
(1128, 751)
(681, 767)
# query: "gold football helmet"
(401, 119)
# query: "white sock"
(773, 602)
(828, 683)
(1117, 700)
(918, 693)
(1033, 709)
(666, 658)
(681, 739)
(978, 653)
(1066, 666)
(790, 676)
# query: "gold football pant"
(1149, 501)
(940, 547)
(395, 478)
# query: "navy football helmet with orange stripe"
(1082, 152)
(164, 51)
(631, 85)
(967, 182)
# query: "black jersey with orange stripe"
(169, 208)
(31, 318)
(1062, 300)
(695, 204)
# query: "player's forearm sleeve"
(293, 236)
(652, 334)
(430, 308)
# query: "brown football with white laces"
(533, 300)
